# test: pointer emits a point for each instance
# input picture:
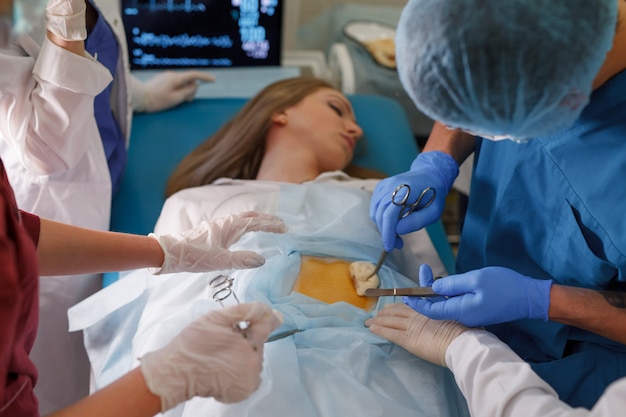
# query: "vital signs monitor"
(203, 33)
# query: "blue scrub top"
(102, 41)
(553, 208)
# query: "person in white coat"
(66, 118)
(495, 381)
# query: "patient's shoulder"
(187, 208)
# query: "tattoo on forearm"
(616, 299)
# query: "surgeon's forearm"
(600, 312)
(455, 143)
(68, 250)
(128, 397)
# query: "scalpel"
(416, 291)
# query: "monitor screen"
(202, 33)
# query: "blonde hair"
(237, 148)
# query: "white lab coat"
(56, 164)
(497, 383)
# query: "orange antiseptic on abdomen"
(328, 280)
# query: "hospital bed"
(160, 140)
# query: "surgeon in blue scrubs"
(537, 90)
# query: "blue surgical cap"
(514, 68)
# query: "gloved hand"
(211, 358)
(205, 248)
(483, 297)
(423, 337)
(66, 19)
(170, 88)
(433, 169)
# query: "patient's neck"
(288, 163)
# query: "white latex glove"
(171, 88)
(66, 19)
(211, 358)
(205, 248)
(429, 339)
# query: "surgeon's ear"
(280, 118)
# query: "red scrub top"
(19, 234)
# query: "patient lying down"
(334, 365)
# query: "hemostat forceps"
(223, 284)
(282, 335)
(428, 195)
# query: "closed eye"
(336, 109)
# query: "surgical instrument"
(282, 335)
(381, 261)
(413, 291)
(406, 209)
(223, 284)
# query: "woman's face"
(324, 122)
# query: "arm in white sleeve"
(47, 107)
(497, 383)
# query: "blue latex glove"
(483, 297)
(430, 169)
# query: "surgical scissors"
(406, 209)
